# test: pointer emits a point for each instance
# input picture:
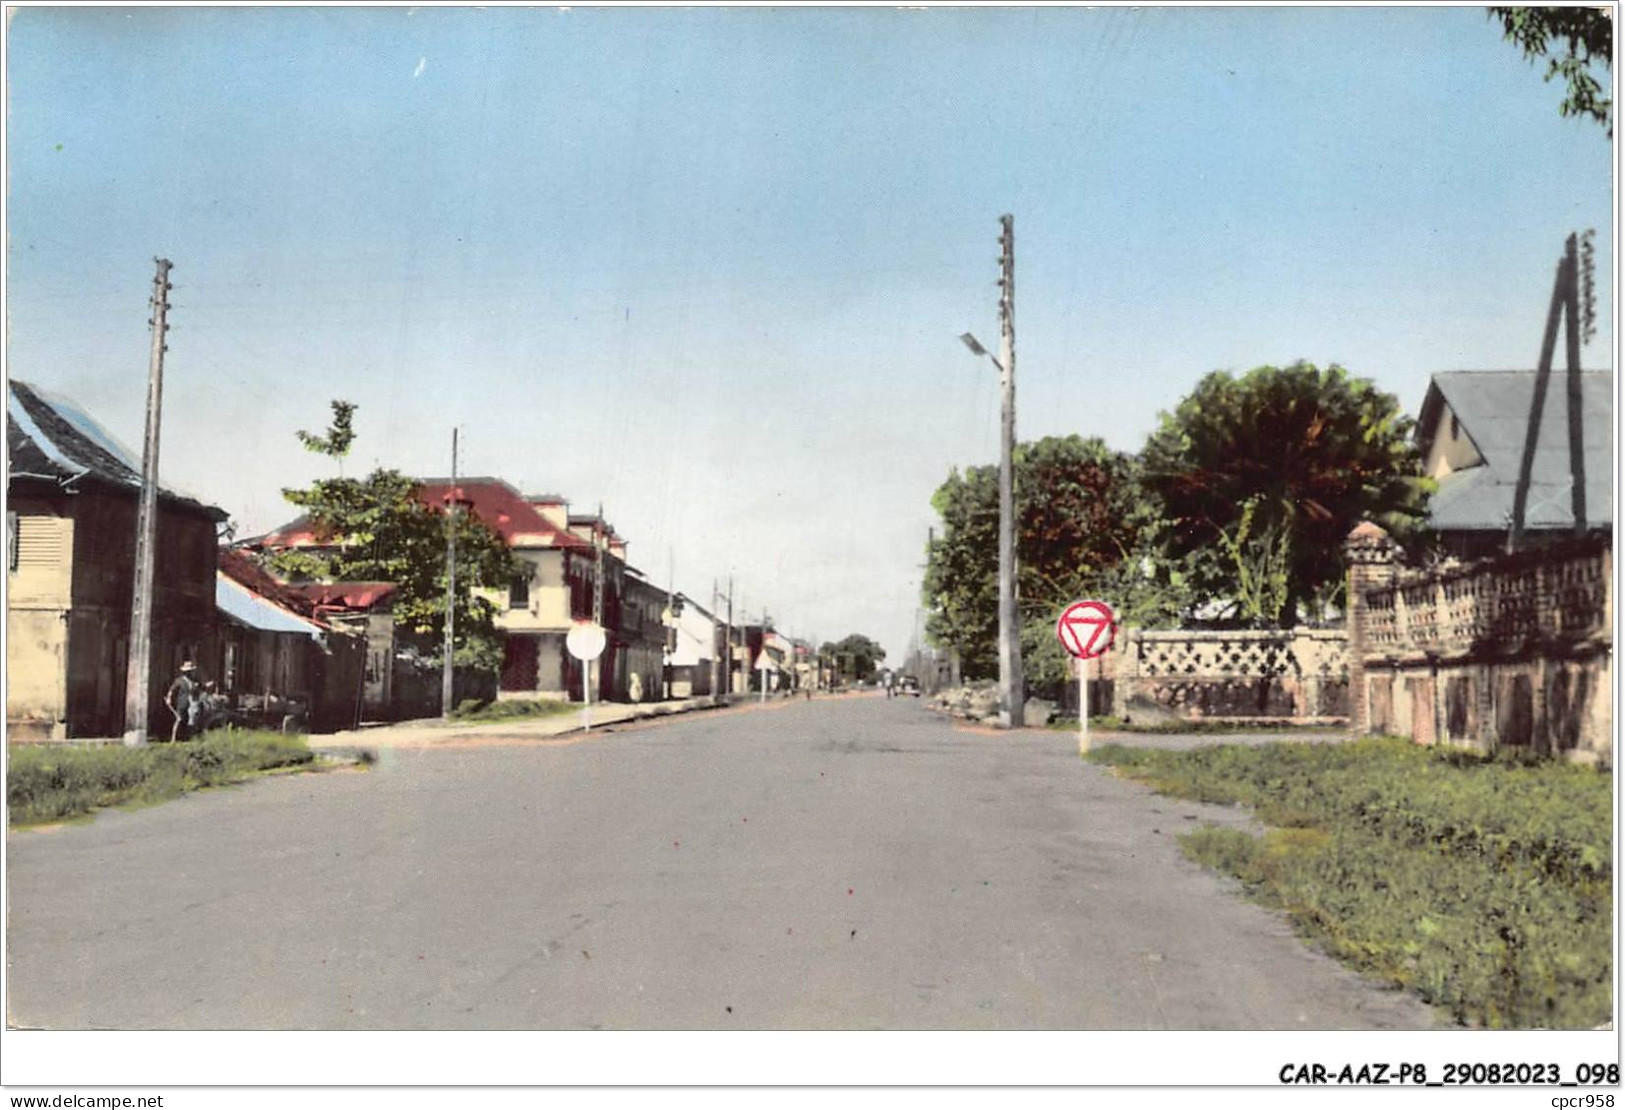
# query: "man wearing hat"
(182, 693)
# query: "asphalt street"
(836, 864)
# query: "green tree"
(377, 528)
(855, 657)
(340, 434)
(1084, 527)
(1263, 476)
(1575, 40)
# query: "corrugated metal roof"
(248, 608)
(1492, 407)
(52, 438)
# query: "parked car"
(909, 685)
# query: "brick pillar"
(1372, 561)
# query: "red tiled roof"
(295, 533)
(498, 505)
(345, 595)
(502, 509)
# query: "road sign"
(585, 641)
(1086, 628)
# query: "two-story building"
(552, 591)
(72, 499)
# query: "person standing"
(182, 695)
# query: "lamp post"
(1011, 687)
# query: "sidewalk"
(431, 731)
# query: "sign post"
(586, 642)
(1086, 630)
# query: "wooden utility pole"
(669, 630)
(446, 674)
(1565, 308)
(1571, 335)
(1012, 690)
(728, 646)
(598, 567)
(138, 669)
(716, 662)
(598, 595)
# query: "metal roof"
(52, 439)
(1492, 408)
(246, 607)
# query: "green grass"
(1484, 885)
(513, 709)
(51, 782)
(1157, 728)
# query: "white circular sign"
(585, 641)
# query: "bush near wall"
(1484, 885)
(48, 782)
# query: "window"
(1455, 428)
(519, 591)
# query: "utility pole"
(669, 631)
(446, 650)
(138, 668)
(598, 567)
(1564, 309)
(728, 667)
(1571, 334)
(716, 661)
(1012, 689)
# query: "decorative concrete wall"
(1299, 675)
(1516, 650)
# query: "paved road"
(855, 863)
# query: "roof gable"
(1492, 408)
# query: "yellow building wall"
(549, 608)
(40, 591)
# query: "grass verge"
(1484, 885)
(513, 709)
(1159, 728)
(49, 782)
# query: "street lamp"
(1012, 696)
(976, 348)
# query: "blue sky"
(708, 266)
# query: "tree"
(340, 434)
(856, 657)
(1573, 39)
(377, 528)
(1083, 528)
(1263, 476)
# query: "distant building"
(552, 591)
(1471, 435)
(365, 609)
(695, 640)
(72, 499)
(633, 664)
(277, 660)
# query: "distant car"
(909, 685)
